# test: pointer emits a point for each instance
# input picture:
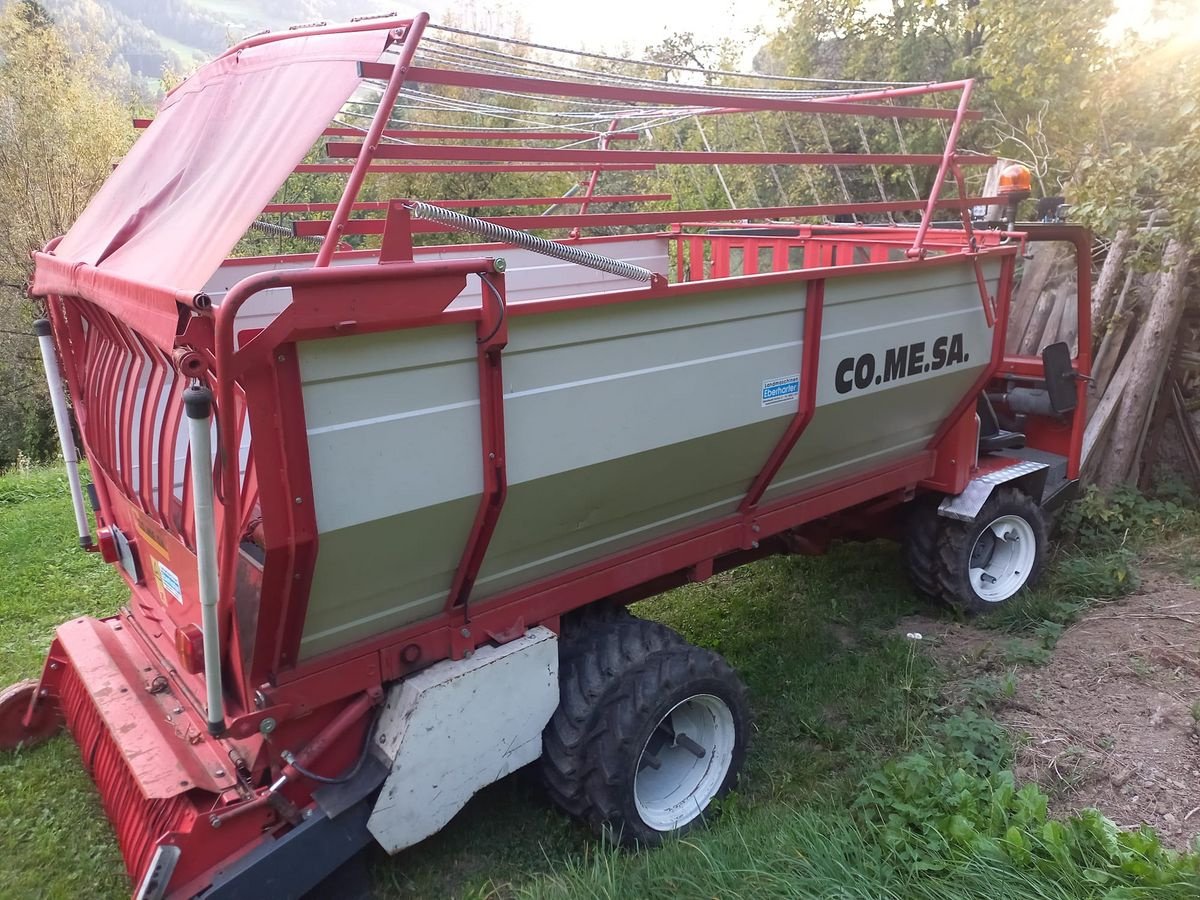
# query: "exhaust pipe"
(62, 421)
(197, 400)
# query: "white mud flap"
(458, 726)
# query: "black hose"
(495, 293)
(350, 773)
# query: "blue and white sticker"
(780, 390)
(169, 581)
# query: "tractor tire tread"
(591, 661)
(615, 742)
(920, 548)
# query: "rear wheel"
(661, 731)
(596, 643)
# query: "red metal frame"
(116, 333)
(850, 104)
(320, 227)
(459, 152)
(459, 203)
(467, 169)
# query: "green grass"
(837, 693)
(54, 839)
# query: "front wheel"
(983, 564)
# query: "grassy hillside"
(864, 781)
(144, 37)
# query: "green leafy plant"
(956, 799)
(1121, 517)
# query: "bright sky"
(630, 25)
(618, 24)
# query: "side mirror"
(1060, 377)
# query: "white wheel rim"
(1002, 558)
(684, 762)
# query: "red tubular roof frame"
(351, 150)
(320, 227)
(459, 203)
(848, 104)
(462, 134)
(391, 169)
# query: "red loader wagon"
(381, 507)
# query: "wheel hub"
(1002, 558)
(684, 762)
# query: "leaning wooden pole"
(1157, 337)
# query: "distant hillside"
(145, 37)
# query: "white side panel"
(458, 726)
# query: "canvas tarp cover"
(216, 153)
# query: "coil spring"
(527, 241)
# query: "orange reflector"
(1015, 179)
(189, 645)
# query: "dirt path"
(1112, 720)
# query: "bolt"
(466, 632)
(299, 500)
(177, 710)
(754, 545)
(53, 666)
(214, 821)
(468, 654)
(267, 725)
(220, 773)
(43, 693)
(281, 358)
(756, 528)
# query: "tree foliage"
(59, 137)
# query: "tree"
(59, 137)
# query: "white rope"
(524, 66)
(671, 66)
(716, 168)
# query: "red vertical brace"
(595, 176)
(492, 329)
(917, 250)
(397, 245)
(362, 165)
(809, 359)
(695, 258)
(988, 301)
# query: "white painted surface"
(458, 726)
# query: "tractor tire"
(920, 547)
(983, 564)
(580, 625)
(650, 730)
(596, 642)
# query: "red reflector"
(189, 644)
(108, 546)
